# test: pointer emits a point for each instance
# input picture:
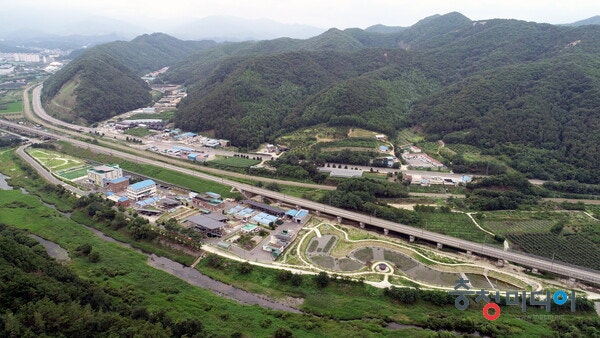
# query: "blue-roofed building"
(146, 202)
(301, 216)
(384, 149)
(141, 190)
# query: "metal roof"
(142, 184)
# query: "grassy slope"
(349, 302)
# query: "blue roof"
(292, 212)
(109, 193)
(123, 199)
(383, 148)
(119, 180)
(142, 184)
(302, 213)
(148, 201)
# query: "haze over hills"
(506, 86)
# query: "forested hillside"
(104, 80)
(513, 88)
(524, 91)
(97, 87)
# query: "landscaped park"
(378, 259)
(59, 164)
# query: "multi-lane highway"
(519, 258)
(515, 257)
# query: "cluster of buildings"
(110, 177)
(154, 124)
(6, 69)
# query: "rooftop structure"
(141, 190)
(339, 172)
(102, 174)
(265, 207)
(207, 225)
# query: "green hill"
(513, 88)
(105, 80)
(96, 87)
(522, 91)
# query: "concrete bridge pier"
(411, 238)
(386, 231)
(362, 225)
(317, 212)
(440, 246)
(339, 219)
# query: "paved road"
(41, 113)
(519, 258)
(47, 175)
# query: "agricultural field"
(453, 224)
(12, 107)
(11, 102)
(519, 226)
(407, 137)
(236, 162)
(573, 249)
(503, 222)
(165, 116)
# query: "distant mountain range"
(522, 90)
(70, 30)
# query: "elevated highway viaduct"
(539, 263)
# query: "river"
(54, 250)
(185, 273)
(3, 184)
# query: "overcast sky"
(327, 13)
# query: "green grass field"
(340, 309)
(236, 162)
(74, 173)
(138, 132)
(12, 107)
(190, 182)
(55, 161)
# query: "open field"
(182, 180)
(55, 161)
(574, 249)
(505, 222)
(138, 132)
(453, 224)
(74, 173)
(12, 107)
(236, 162)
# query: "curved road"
(519, 258)
(40, 112)
(47, 175)
(515, 257)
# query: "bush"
(322, 279)
(83, 249)
(94, 257)
(245, 268)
